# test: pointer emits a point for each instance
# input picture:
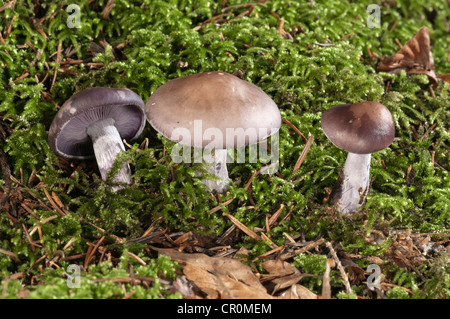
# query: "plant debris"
(274, 234)
(414, 57)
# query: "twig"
(7, 32)
(428, 131)
(137, 258)
(249, 182)
(9, 4)
(137, 279)
(242, 227)
(341, 269)
(58, 61)
(268, 253)
(92, 252)
(239, 6)
(303, 249)
(275, 216)
(369, 53)
(219, 207)
(303, 154)
(295, 129)
(393, 26)
(52, 202)
(6, 177)
(347, 36)
(271, 243)
(107, 10)
(10, 254)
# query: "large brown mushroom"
(212, 112)
(360, 129)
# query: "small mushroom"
(93, 122)
(360, 129)
(213, 111)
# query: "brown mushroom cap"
(67, 135)
(361, 128)
(220, 100)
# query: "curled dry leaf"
(298, 292)
(416, 53)
(445, 77)
(414, 57)
(218, 277)
(283, 275)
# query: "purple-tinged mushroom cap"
(360, 129)
(94, 122)
(67, 135)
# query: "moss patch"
(307, 56)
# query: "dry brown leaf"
(298, 292)
(204, 280)
(234, 289)
(445, 77)
(284, 275)
(414, 57)
(415, 53)
(219, 277)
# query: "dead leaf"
(416, 52)
(298, 292)
(204, 280)
(235, 289)
(356, 273)
(445, 77)
(414, 57)
(284, 275)
(218, 277)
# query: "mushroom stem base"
(218, 167)
(353, 186)
(107, 144)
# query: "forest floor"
(65, 234)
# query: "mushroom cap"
(220, 101)
(361, 128)
(67, 135)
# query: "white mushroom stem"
(218, 167)
(107, 144)
(355, 183)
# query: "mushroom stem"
(353, 187)
(218, 168)
(107, 144)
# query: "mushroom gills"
(217, 167)
(354, 185)
(107, 143)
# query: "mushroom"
(360, 129)
(212, 111)
(93, 122)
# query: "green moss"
(102, 281)
(320, 59)
(397, 293)
(312, 265)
